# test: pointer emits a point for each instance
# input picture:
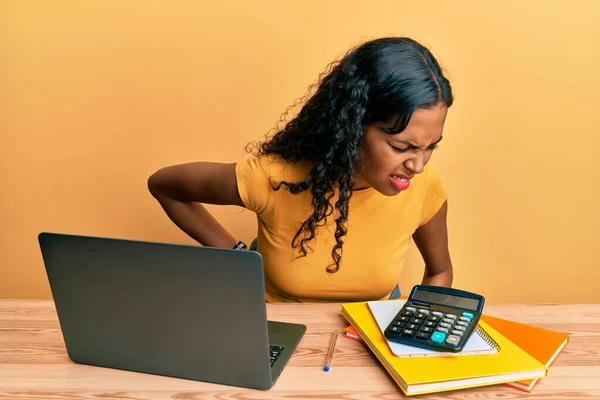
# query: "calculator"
(436, 318)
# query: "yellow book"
(439, 374)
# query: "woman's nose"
(415, 163)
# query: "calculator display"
(447, 299)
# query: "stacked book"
(498, 352)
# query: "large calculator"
(436, 318)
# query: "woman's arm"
(432, 241)
(180, 190)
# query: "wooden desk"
(34, 363)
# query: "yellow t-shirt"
(380, 231)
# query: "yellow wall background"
(96, 95)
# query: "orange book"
(352, 333)
(542, 344)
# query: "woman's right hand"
(180, 190)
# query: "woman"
(343, 188)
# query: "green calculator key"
(438, 337)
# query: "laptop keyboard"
(274, 352)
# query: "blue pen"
(330, 352)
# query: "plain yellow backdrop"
(96, 95)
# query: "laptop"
(183, 311)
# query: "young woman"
(343, 188)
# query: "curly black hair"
(381, 80)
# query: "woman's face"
(389, 161)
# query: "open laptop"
(184, 311)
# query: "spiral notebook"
(384, 311)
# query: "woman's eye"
(405, 149)
(400, 150)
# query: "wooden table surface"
(34, 362)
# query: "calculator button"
(431, 324)
(453, 340)
(448, 320)
(439, 314)
(406, 313)
(421, 316)
(467, 314)
(460, 328)
(445, 325)
(408, 332)
(420, 310)
(462, 323)
(416, 321)
(465, 319)
(411, 309)
(438, 337)
(442, 330)
(457, 333)
(412, 326)
(452, 316)
(395, 329)
(422, 335)
(433, 318)
(404, 319)
(426, 329)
